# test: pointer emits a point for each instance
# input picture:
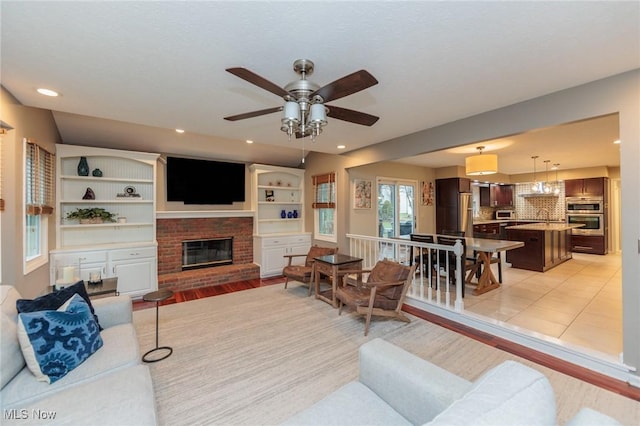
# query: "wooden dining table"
(484, 249)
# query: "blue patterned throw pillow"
(55, 342)
(54, 300)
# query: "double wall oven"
(588, 211)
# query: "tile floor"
(579, 301)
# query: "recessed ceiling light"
(249, 141)
(47, 92)
(179, 131)
(617, 141)
(341, 146)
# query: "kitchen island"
(546, 245)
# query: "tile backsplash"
(528, 207)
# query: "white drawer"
(132, 253)
(302, 239)
(286, 240)
(80, 257)
(272, 242)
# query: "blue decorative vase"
(283, 214)
(295, 213)
(83, 167)
(97, 173)
(290, 215)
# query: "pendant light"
(547, 189)
(556, 188)
(537, 186)
(486, 164)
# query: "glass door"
(396, 213)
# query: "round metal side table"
(157, 296)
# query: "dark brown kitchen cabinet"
(486, 230)
(502, 195)
(496, 196)
(587, 187)
(447, 200)
(542, 250)
(593, 244)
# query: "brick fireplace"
(172, 228)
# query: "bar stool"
(157, 296)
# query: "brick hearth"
(171, 232)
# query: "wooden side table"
(331, 265)
(157, 296)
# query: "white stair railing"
(431, 282)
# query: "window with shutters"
(324, 205)
(38, 203)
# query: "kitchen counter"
(551, 226)
(519, 221)
(546, 245)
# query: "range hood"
(537, 194)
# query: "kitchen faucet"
(546, 211)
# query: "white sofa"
(398, 388)
(111, 387)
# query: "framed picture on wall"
(426, 193)
(361, 194)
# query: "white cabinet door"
(135, 277)
(273, 260)
(136, 269)
(275, 248)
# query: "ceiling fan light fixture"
(318, 115)
(291, 113)
(481, 164)
(304, 111)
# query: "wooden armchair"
(382, 294)
(305, 273)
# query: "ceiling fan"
(304, 109)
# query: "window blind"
(39, 174)
(324, 188)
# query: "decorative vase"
(83, 167)
(97, 173)
(295, 214)
(283, 214)
(290, 215)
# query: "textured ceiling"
(131, 72)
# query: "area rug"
(256, 357)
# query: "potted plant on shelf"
(91, 215)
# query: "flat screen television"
(204, 182)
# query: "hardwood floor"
(216, 290)
(561, 366)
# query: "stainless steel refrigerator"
(465, 213)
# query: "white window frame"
(31, 263)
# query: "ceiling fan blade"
(351, 115)
(253, 114)
(346, 86)
(261, 82)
